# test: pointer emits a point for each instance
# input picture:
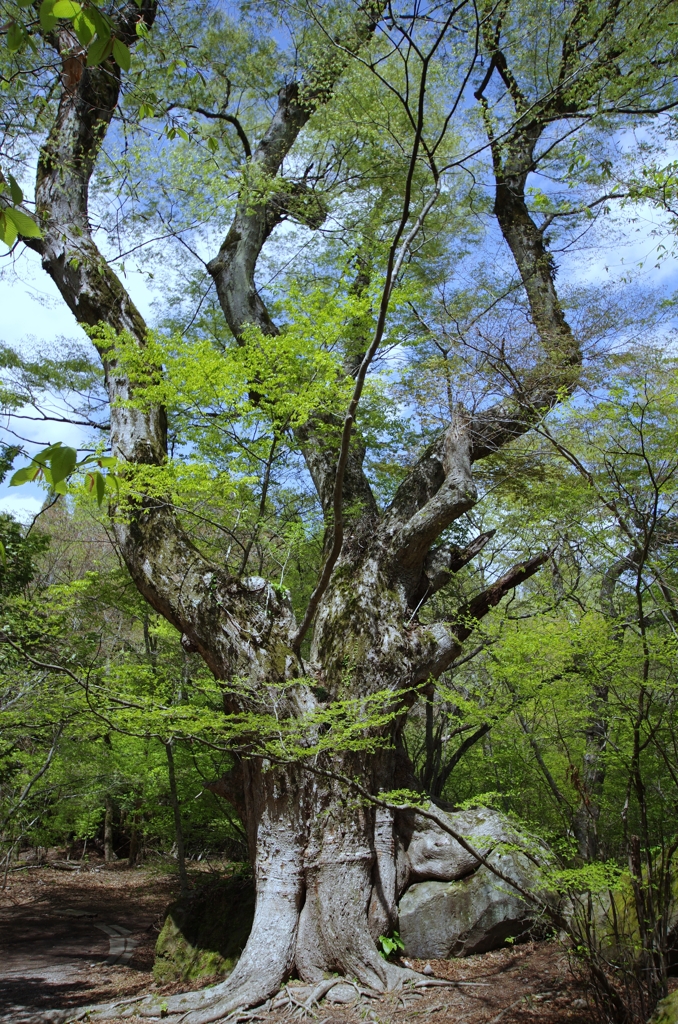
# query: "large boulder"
(432, 853)
(204, 933)
(452, 904)
(470, 915)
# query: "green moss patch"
(205, 932)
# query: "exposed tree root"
(232, 1001)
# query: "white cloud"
(22, 506)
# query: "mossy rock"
(204, 933)
(667, 1010)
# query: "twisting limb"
(398, 250)
(88, 285)
(178, 581)
(393, 268)
(233, 267)
(230, 119)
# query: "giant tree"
(527, 83)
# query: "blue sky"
(34, 314)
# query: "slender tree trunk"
(109, 855)
(590, 786)
(176, 810)
(135, 851)
(133, 842)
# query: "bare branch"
(230, 119)
(442, 562)
(441, 641)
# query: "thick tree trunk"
(325, 871)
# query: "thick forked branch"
(89, 97)
(535, 391)
(446, 476)
(393, 268)
(439, 488)
(398, 250)
(233, 268)
(91, 289)
(170, 572)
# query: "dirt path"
(67, 938)
(71, 939)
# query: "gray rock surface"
(433, 854)
(470, 915)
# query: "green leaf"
(8, 231)
(17, 194)
(62, 463)
(102, 23)
(121, 55)
(16, 37)
(24, 3)
(107, 461)
(84, 28)
(99, 50)
(24, 475)
(66, 9)
(42, 457)
(3, 557)
(26, 226)
(47, 19)
(101, 487)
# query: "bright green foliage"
(91, 24)
(579, 671)
(92, 723)
(57, 464)
(17, 570)
(13, 221)
(562, 706)
(390, 944)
